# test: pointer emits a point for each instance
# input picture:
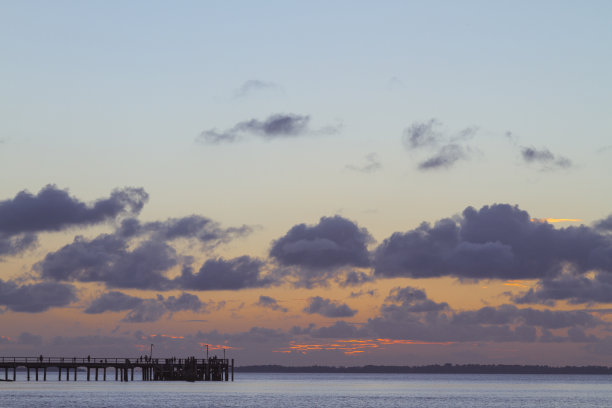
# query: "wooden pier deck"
(162, 369)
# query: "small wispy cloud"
(448, 149)
(545, 158)
(253, 86)
(371, 164)
(276, 126)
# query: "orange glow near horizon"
(354, 346)
(517, 283)
(553, 220)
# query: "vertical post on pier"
(44, 373)
(116, 373)
(96, 373)
(59, 373)
(28, 367)
(36, 373)
(132, 373)
(67, 373)
(6, 373)
(75, 373)
(232, 369)
(88, 373)
(14, 373)
(104, 373)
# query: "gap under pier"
(99, 369)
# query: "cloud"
(151, 310)
(253, 86)
(372, 164)
(270, 303)
(446, 157)
(107, 259)
(495, 242)
(422, 134)
(448, 149)
(408, 314)
(227, 274)
(205, 230)
(35, 297)
(545, 158)
(339, 330)
(569, 287)
(29, 339)
(276, 126)
(328, 308)
(319, 250)
(113, 302)
(135, 256)
(53, 209)
(604, 225)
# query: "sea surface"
(319, 390)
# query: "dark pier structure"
(89, 368)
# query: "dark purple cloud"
(495, 242)
(108, 259)
(227, 274)
(113, 302)
(35, 297)
(328, 308)
(319, 250)
(575, 289)
(409, 315)
(53, 209)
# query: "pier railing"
(152, 369)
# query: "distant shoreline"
(430, 369)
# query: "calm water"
(320, 390)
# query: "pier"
(120, 369)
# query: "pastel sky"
(346, 182)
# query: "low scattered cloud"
(270, 303)
(35, 297)
(328, 308)
(545, 158)
(371, 165)
(277, 126)
(113, 302)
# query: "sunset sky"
(331, 183)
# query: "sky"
(300, 183)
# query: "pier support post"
(28, 373)
(116, 373)
(88, 373)
(67, 373)
(232, 369)
(96, 373)
(14, 373)
(59, 373)
(45, 373)
(36, 373)
(104, 374)
(75, 373)
(132, 374)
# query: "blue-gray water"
(320, 390)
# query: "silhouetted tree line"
(432, 369)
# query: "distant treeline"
(432, 369)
